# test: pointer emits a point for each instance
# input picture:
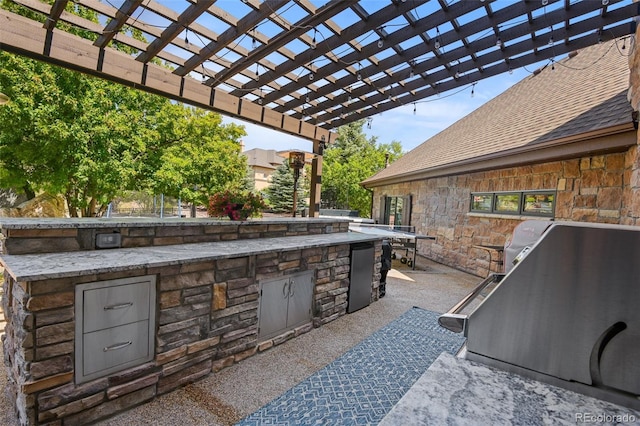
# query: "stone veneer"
(589, 189)
(58, 235)
(207, 319)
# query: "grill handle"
(452, 319)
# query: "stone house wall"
(596, 188)
(206, 316)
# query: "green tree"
(67, 133)
(204, 157)
(280, 192)
(349, 161)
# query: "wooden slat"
(162, 79)
(225, 102)
(290, 124)
(272, 118)
(65, 48)
(251, 110)
(120, 66)
(197, 92)
(115, 25)
(307, 130)
(20, 32)
(56, 11)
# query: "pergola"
(305, 67)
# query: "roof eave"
(608, 139)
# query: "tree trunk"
(28, 191)
(73, 211)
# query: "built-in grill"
(565, 311)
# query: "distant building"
(263, 162)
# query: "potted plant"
(236, 205)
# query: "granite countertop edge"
(37, 267)
(62, 223)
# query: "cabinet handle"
(285, 290)
(118, 306)
(291, 288)
(116, 346)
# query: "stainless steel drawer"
(115, 305)
(115, 326)
(115, 347)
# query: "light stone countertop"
(123, 222)
(456, 391)
(35, 267)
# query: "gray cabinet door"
(274, 297)
(285, 303)
(300, 299)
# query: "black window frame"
(522, 196)
(482, 194)
(518, 202)
(539, 192)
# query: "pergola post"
(316, 177)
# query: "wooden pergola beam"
(26, 37)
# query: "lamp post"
(296, 162)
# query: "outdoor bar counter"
(105, 314)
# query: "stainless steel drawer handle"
(118, 306)
(116, 346)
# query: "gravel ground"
(235, 392)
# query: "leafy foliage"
(352, 159)
(236, 205)
(204, 159)
(89, 139)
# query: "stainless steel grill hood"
(568, 313)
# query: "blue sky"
(432, 116)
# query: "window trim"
(521, 202)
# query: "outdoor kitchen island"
(105, 314)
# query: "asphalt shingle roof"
(584, 92)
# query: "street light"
(296, 162)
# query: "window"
(397, 211)
(538, 203)
(507, 203)
(533, 203)
(481, 202)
